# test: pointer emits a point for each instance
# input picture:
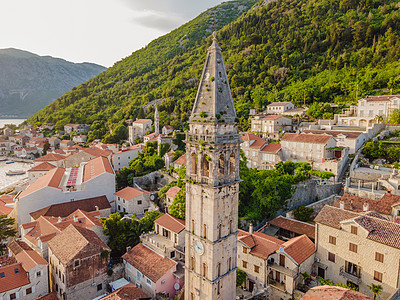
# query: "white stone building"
(272, 125)
(134, 201)
(76, 128)
(139, 128)
(125, 155)
(279, 107)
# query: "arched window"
(206, 166)
(232, 164)
(193, 163)
(221, 165)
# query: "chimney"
(251, 228)
(96, 207)
(351, 205)
(366, 206)
(128, 249)
(75, 219)
(341, 204)
(59, 220)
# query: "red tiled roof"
(51, 179)
(65, 209)
(271, 148)
(332, 216)
(96, 167)
(97, 151)
(380, 98)
(51, 296)
(50, 157)
(348, 134)
(43, 167)
(29, 258)
(129, 193)
(173, 191)
(272, 117)
(170, 222)
(127, 292)
(142, 121)
(261, 245)
(333, 293)
(4, 200)
(66, 251)
(130, 148)
(278, 103)
(299, 248)
(355, 203)
(307, 138)
(151, 264)
(294, 226)
(181, 160)
(250, 137)
(14, 276)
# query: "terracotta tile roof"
(26, 255)
(51, 296)
(272, 117)
(5, 202)
(380, 98)
(299, 248)
(294, 110)
(181, 160)
(173, 191)
(278, 104)
(50, 157)
(14, 276)
(129, 193)
(65, 209)
(272, 148)
(59, 151)
(306, 138)
(42, 167)
(6, 260)
(333, 293)
(381, 231)
(352, 135)
(151, 264)
(96, 167)
(53, 138)
(168, 127)
(51, 179)
(131, 148)
(127, 292)
(170, 222)
(261, 245)
(294, 226)
(97, 151)
(332, 216)
(250, 137)
(84, 239)
(141, 121)
(355, 203)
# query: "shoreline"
(11, 187)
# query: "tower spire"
(214, 101)
(156, 122)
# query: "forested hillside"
(293, 50)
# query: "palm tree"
(376, 289)
(379, 119)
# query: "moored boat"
(15, 172)
(9, 162)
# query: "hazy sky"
(99, 31)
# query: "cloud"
(169, 13)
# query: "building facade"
(212, 147)
(139, 128)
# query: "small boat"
(9, 162)
(15, 172)
(3, 158)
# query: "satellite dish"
(176, 286)
(281, 249)
(152, 197)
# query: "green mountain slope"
(297, 50)
(29, 82)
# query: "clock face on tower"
(198, 247)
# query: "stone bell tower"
(212, 188)
(156, 122)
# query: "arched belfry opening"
(193, 164)
(232, 164)
(206, 166)
(221, 165)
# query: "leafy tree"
(46, 147)
(376, 289)
(6, 231)
(178, 206)
(240, 277)
(303, 213)
(394, 117)
(147, 222)
(178, 140)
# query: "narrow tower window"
(193, 226)
(232, 164)
(229, 263)
(219, 269)
(219, 231)
(230, 226)
(193, 163)
(206, 166)
(221, 165)
(204, 269)
(205, 231)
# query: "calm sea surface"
(10, 121)
(5, 180)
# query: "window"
(38, 273)
(192, 226)
(138, 275)
(379, 257)
(205, 231)
(244, 250)
(148, 281)
(229, 263)
(99, 287)
(28, 291)
(204, 273)
(353, 229)
(119, 207)
(163, 282)
(353, 247)
(378, 276)
(2, 275)
(219, 231)
(230, 226)
(219, 269)
(331, 257)
(244, 264)
(192, 263)
(139, 202)
(13, 296)
(257, 269)
(77, 263)
(353, 269)
(16, 270)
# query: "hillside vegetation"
(29, 82)
(297, 50)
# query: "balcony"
(282, 269)
(277, 285)
(349, 276)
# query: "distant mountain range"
(29, 82)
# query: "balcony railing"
(351, 277)
(277, 284)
